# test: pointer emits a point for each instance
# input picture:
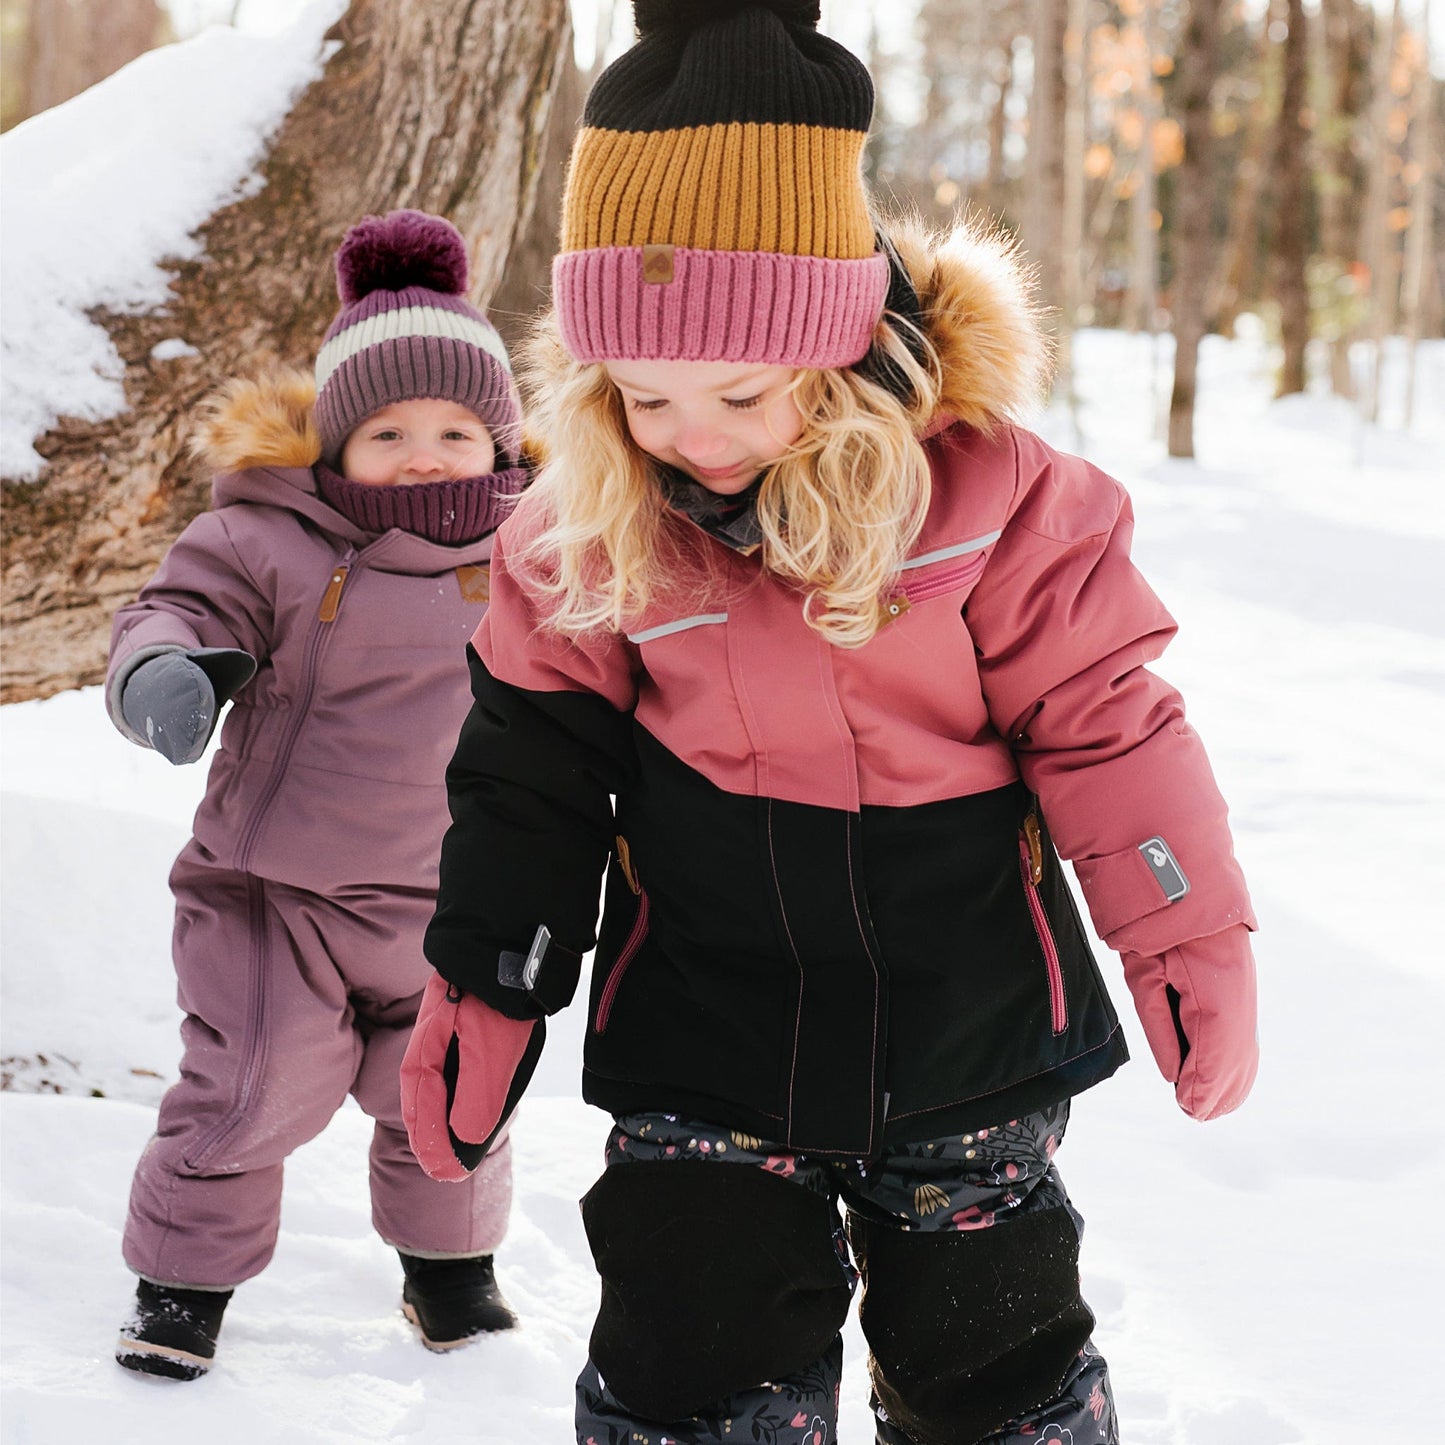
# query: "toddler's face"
(428, 440)
(721, 422)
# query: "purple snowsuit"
(302, 897)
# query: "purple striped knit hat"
(406, 331)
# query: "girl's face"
(720, 422)
(427, 440)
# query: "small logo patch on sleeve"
(1165, 868)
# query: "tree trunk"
(1338, 82)
(1292, 221)
(1419, 238)
(1142, 300)
(1233, 288)
(1376, 250)
(1043, 209)
(72, 44)
(442, 106)
(992, 198)
(1192, 230)
(527, 284)
(1072, 260)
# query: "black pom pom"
(659, 17)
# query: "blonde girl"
(858, 658)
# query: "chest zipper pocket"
(634, 939)
(935, 582)
(1031, 867)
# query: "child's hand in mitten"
(464, 1071)
(172, 699)
(1197, 1005)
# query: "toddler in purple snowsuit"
(330, 592)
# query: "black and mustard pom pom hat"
(715, 207)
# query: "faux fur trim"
(261, 422)
(979, 310)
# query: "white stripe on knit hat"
(403, 322)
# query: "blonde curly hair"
(839, 510)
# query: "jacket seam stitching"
(877, 985)
(798, 962)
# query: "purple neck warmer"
(449, 512)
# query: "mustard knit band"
(794, 189)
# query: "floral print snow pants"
(949, 1198)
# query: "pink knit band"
(755, 306)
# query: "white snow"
(100, 192)
(1270, 1279)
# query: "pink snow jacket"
(331, 764)
(833, 917)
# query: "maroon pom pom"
(654, 17)
(404, 248)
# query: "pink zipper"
(944, 580)
(1058, 1008)
(614, 979)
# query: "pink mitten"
(1197, 1005)
(464, 1070)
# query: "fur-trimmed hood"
(259, 439)
(977, 295)
(261, 422)
(265, 421)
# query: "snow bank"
(101, 191)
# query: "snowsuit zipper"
(320, 631)
(255, 1023)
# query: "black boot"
(172, 1331)
(451, 1300)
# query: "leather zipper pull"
(624, 858)
(1036, 847)
(331, 599)
(895, 607)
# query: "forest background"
(1272, 1279)
(1168, 167)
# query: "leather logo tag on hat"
(475, 582)
(657, 265)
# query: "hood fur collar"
(980, 314)
(265, 422)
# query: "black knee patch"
(715, 1277)
(969, 1330)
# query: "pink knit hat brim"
(756, 306)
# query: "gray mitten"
(172, 700)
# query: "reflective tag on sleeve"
(1165, 868)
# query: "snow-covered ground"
(1270, 1279)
